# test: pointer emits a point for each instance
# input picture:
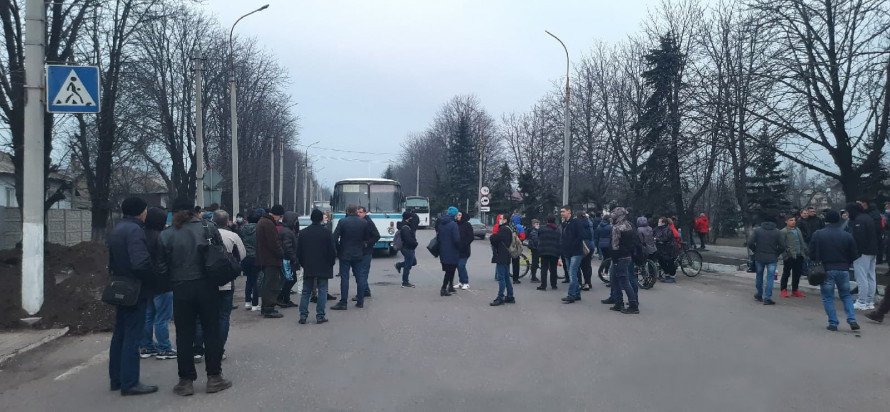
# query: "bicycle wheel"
(691, 263)
(603, 272)
(524, 265)
(648, 274)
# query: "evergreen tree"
(389, 173)
(502, 191)
(767, 191)
(462, 167)
(531, 195)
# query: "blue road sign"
(72, 89)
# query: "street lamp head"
(263, 8)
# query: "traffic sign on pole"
(485, 209)
(72, 89)
(484, 191)
(484, 201)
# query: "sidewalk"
(14, 343)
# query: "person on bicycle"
(548, 251)
(647, 236)
(666, 250)
(533, 244)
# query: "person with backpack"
(466, 243)
(533, 243)
(573, 238)
(288, 230)
(519, 230)
(406, 242)
(624, 242)
(448, 235)
(666, 250)
(500, 245)
(549, 251)
(767, 244)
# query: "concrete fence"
(64, 227)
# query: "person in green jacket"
(794, 257)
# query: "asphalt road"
(700, 345)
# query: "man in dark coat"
(449, 244)
(159, 309)
(409, 249)
(350, 237)
(767, 243)
(288, 231)
(548, 250)
(269, 256)
(836, 250)
(465, 228)
(128, 256)
(368, 251)
(866, 236)
(317, 255)
(500, 245)
(573, 238)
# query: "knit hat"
(452, 211)
(832, 217)
(406, 215)
(316, 216)
(277, 210)
(133, 206)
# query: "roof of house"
(7, 167)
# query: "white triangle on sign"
(73, 93)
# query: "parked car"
(305, 221)
(479, 229)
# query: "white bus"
(381, 197)
(421, 206)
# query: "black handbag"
(220, 266)
(433, 246)
(122, 291)
(816, 274)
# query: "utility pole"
(281, 172)
(33, 187)
(417, 192)
(306, 186)
(272, 175)
(567, 129)
(199, 130)
(296, 180)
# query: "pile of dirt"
(73, 281)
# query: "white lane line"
(95, 360)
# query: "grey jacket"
(795, 245)
(767, 243)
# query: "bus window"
(350, 194)
(385, 198)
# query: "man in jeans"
(368, 252)
(836, 250)
(409, 246)
(500, 249)
(866, 237)
(767, 243)
(573, 250)
(351, 237)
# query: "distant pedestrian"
(159, 309)
(666, 250)
(194, 297)
(466, 248)
(129, 257)
(409, 249)
(350, 237)
(865, 235)
(288, 231)
(702, 228)
(549, 252)
(533, 244)
(836, 250)
(500, 243)
(316, 252)
(448, 235)
(793, 260)
(248, 264)
(573, 237)
(767, 244)
(270, 256)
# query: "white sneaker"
(465, 286)
(248, 306)
(871, 306)
(859, 306)
(256, 308)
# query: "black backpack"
(638, 253)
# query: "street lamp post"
(567, 131)
(233, 89)
(306, 191)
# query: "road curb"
(29, 345)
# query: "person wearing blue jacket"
(449, 248)
(602, 237)
(519, 229)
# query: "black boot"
(618, 307)
(444, 292)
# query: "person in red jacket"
(702, 227)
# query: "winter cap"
(277, 210)
(406, 215)
(133, 206)
(317, 216)
(452, 211)
(832, 217)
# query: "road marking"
(95, 360)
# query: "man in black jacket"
(409, 246)
(315, 251)
(128, 256)
(288, 231)
(465, 228)
(350, 237)
(866, 236)
(836, 250)
(573, 238)
(548, 249)
(370, 241)
(500, 243)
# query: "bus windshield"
(376, 197)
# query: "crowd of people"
(166, 253)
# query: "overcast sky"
(365, 73)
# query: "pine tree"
(389, 173)
(502, 191)
(462, 169)
(767, 191)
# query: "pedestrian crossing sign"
(72, 89)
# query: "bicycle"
(689, 261)
(647, 274)
(525, 265)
